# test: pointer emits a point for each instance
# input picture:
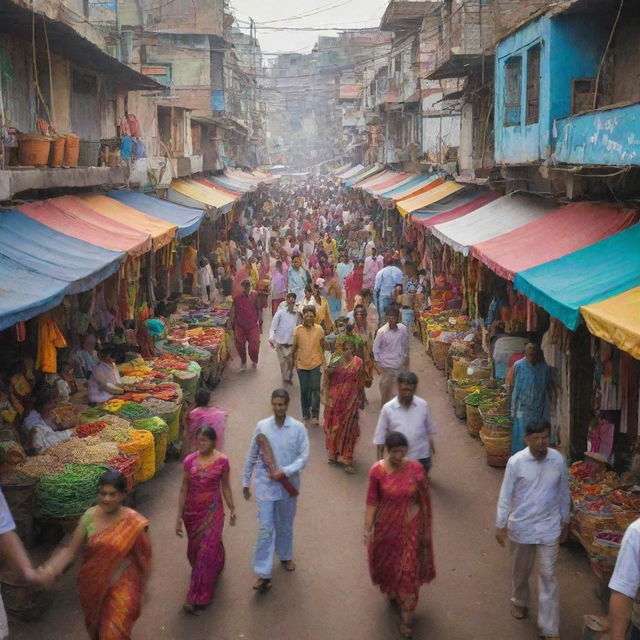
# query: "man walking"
(281, 336)
(391, 351)
(386, 281)
(278, 453)
(530, 395)
(246, 324)
(372, 264)
(411, 416)
(297, 278)
(308, 356)
(533, 512)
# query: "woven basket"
(494, 422)
(586, 524)
(603, 547)
(474, 421)
(497, 461)
(602, 566)
(439, 351)
(459, 368)
(496, 445)
(142, 444)
(623, 517)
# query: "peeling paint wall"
(607, 137)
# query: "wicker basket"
(586, 524)
(494, 444)
(623, 517)
(474, 420)
(459, 368)
(497, 461)
(439, 351)
(602, 546)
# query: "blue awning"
(25, 293)
(51, 254)
(187, 218)
(418, 180)
(226, 182)
(597, 272)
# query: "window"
(582, 95)
(533, 84)
(512, 91)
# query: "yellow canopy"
(201, 193)
(422, 200)
(616, 320)
(161, 232)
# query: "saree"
(110, 578)
(401, 556)
(203, 518)
(342, 407)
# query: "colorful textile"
(401, 555)
(50, 339)
(111, 607)
(203, 518)
(343, 394)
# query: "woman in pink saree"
(397, 528)
(205, 483)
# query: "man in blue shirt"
(386, 281)
(277, 481)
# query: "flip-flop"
(191, 609)
(289, 565)
(406, 631)
(350, 469)
(332, 462)
(262, 584)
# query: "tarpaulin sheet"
(203, 194)
(616, 320)
(433, 194)
(349, 173)
(363, 175)
(71, 216)
(236, 187)
(560, 232)
(415, 182)
(161, 232)
(208, 183)
(462, 210)
(25, 293)
(187, 219)
(498, 217)
(395, 180)
(42, 250)
(341, 172)
(450, 203)
(373, 180)
(597, 272)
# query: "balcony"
(403, 14)
(466, 33)
(606, 137)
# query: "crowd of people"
(338, 298)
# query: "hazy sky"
(324, 13)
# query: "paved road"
(330, 596)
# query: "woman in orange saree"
(397, 528)
(115, 564)
(344, 383)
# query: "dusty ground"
(330, 596)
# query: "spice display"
(141, 443)
(90, 428)
(39, 466)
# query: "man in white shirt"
(281, 336)
(411, 416)
(385, 285)
(533, 512)
(391, 351)
(625, 583)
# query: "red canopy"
(462, 210)
(73, 217)
(552, 236)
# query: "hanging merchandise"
(50, 339)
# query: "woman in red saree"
(397, 528)
(205, 483)
(344, 383)
(115, 563)
(353, 283)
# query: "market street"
(330, 596)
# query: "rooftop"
(404, 14)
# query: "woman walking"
(397, 528)
(204, 484)
(115, 563)
(204, 415)
(279, 286)
(344, 383)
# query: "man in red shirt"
(246, 324)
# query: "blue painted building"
(545, 72)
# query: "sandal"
(519, 613)
(262, 584)
(191, 609)
(289, 565)
(332, 461)
(350, 469)
(406, 631)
